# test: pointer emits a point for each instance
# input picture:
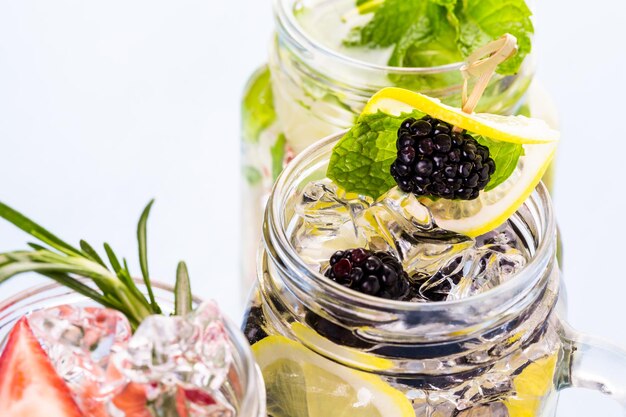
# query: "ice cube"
(400, 224)
(81, 342)
(316, 245)
(189, 351)
(492, 265)
(325, 205)
(325, 222)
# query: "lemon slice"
(349, 356)
(531, 388)
(513, 129)
(301, 383)
(492, 208)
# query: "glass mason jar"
(505, 352)
(244, 387)
(308, 91)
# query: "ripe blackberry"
(374, 273)
(435, 161)
(338, 333)
(253, 325)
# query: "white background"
(104, 105)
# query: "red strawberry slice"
(29, 385)
(133, 401)
(181, 403)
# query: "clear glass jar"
(308, 91)
(505, 352)
(244, 387)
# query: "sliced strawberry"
(29, 385)
(181, 403)
(199, 397)
(132, 401)
(94, 409)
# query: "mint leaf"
(484, 20)
(505, 155)
(524, 110)
(361, 160)
(257, 110)
(278, 156)
(427, 33)
(390, 22)
(252, 175)
(431, 32)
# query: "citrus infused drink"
(100, 344)
(409, 269)
(325, 63)
(366, 307)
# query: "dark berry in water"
(374, 273)
(434, 160)
(253, 325)
(334, 332)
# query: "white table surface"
(104, 105)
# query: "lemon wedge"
(301, 383)
(531, 387)
(349, 356)
(492, 208)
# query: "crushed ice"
(443, 265)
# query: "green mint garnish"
(426, 33)
(257, 110)
(252, 175)
(505, 155)
(278, 155)
(362, 159)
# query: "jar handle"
(594, 364)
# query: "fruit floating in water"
(373, 273)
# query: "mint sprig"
(114, 287)
(257, 109)
(427, 33)
(361, 160)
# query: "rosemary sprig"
(182, 291)
(114, 287)
(142, 239)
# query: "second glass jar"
(308, 91)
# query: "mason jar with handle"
(308, 91)
(507, 351)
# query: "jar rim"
(491, 302)
(288, 21)
(251, 404)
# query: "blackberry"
(373, 273)
(434, 160)
(254, 322)
(337, 333)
